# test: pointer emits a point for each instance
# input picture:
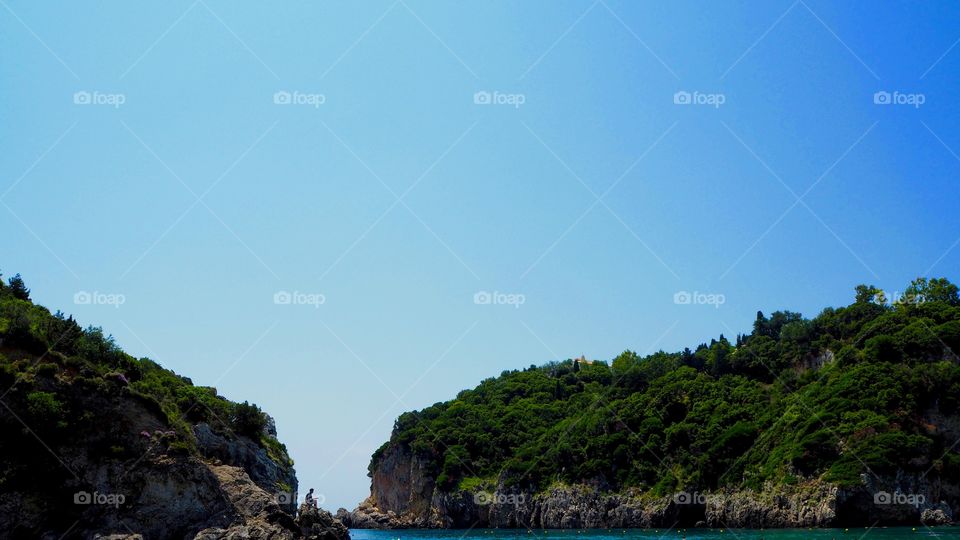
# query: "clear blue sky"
(493, 197)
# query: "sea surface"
(877, 533)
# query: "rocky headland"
(99, 444)
(847, 419)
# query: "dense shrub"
(44, 407)
(247, 419)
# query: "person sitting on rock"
(309, 499)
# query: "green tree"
(867, 293)
(247, 419)
(931, 290)
(882, 348)
(759, 324)
(18, 288)
(718, 356)
(624, 361)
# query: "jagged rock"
(248, 499)
(368, 516)
(243, 452)
(808, 505)
(253, 531)
(318, 524)
(260, 517)
(270, 426)
(404, 496)
(936, 516)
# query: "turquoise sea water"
(877, 533)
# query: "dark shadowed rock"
(318, 524)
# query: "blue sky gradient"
(399, 198)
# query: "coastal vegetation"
(857, 390)
(57, 379)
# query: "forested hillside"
(865, 389)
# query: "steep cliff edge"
(96, 442)
(847, 419)
(810, 504)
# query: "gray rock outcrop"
(318, 524)
(404, 496)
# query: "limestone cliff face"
(400, 483)
(129, 478)
(403, 496)
(253, 459)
